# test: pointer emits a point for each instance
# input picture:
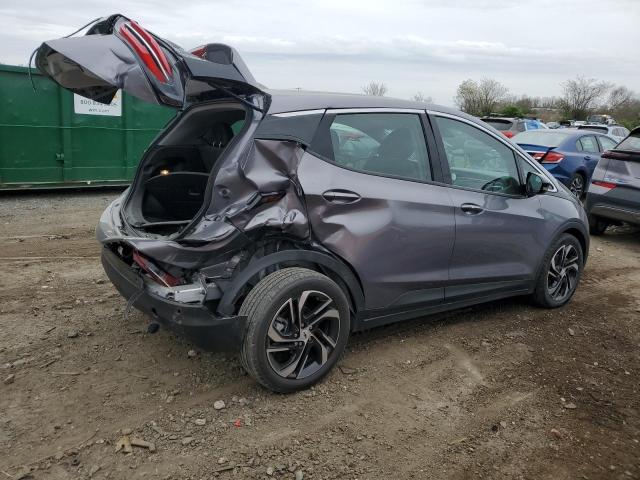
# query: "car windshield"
(632, 142)
(498, 124)
(543, 138)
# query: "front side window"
(588, 144)
(390, 144)
(477, 160)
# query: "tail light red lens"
(508, 133)
(199, 51)
(148, 49)
(552, 157)
(159, 275)
(608, 185)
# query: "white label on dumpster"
(89, 107)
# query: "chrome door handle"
(341, 196)
(471, 208)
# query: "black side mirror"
(535, 184)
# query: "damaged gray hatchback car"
(276, 224)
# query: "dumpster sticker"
(85, 106)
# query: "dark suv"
(276, 224)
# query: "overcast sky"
(339, 45)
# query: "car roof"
(283, 101)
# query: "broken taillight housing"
(148, 49)
(155, 272)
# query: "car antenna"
(33, 85)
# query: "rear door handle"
(341, 196)
(471, 208)
(587, 157)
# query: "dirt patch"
(502, 390)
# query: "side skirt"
(375, 318)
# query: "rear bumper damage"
(195, 321)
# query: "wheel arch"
(575, 229)
(333, 267)
(582, 237)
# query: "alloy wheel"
(577, 186)
(562, 276)
(303, 334)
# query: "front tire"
(560, 273)
(298, 323)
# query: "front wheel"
(560, 274)
(298, 323)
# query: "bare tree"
(580, 95)
(377, 89)
(619, 98)
(420, 97)
(480, 98)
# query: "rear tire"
(298, 323)
(560, 273)
(597, 225)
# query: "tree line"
(580, 97)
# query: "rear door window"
(587, 144)
(390, 144)
(477, 160)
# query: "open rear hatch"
(117, 53)
(211, 85)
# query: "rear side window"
(477, 160)
(587, 144)
(391, 144)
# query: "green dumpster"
(54, 138)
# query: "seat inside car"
(393, 156)
(216, 139)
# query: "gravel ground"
(499, 391)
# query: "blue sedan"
(568, 154)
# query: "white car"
(617, 132)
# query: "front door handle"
(341, 196)
(471, 208)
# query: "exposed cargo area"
(170, 187)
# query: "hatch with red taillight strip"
(117, 53)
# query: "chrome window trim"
(298, 113)
(544, 173)
(374, 110)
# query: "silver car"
(616, 132)
(275, 224)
